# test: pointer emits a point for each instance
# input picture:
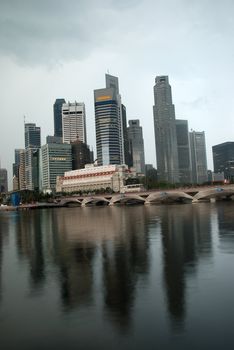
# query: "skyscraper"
(223, 159)
(58, 129)
(15, 168)
(3, 181)
(81, 155)
(198, 157)
(55, 159)
(22, 180)
(108, 122)
(74, 122)
(126, 146)
(32, 135)
(184, 159)
(135, 137)
(165, 131)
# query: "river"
(134, 277)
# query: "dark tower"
(58, 130)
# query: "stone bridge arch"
(168, 197)
(70, 202)
(218, 193)
(94, 201)
(126, 199)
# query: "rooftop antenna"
(108, 71)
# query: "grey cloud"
(52, 31)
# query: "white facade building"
(73, 122)
(93, 178)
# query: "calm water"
(159, 277)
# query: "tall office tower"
(54, 139)
(126, 146)
(182, 134)
(15, 168)
(223, 159)
(198, 157)
(32, 169)
(108, 122)
(81, 155)
(74, 122)
(58, 128)
(22, 180)
(165, 131)
(32, 135)
(136, 142)
(55, 160)
(3, 181)
(113, 82)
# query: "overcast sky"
(62, 49)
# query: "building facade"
(223, 159)
(184, 158)
(73, 122)
(54, 139)
(198, 157)
(22, 179)
(126, 146)
(3, 181)
(58, 129)
(32, 135)
(165, 131)
(55, 160)
(15, 169)
(108, 123)
(81, 155)
(136, 142)
(94, 178)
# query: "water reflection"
(121, 242)
(184, 233)
(226, 227)
(115, 243)
(124, 260)
(4, 236)
(120, 272)
(30, 246)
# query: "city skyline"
(194, 51)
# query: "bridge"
(185, 195)
(182, 195)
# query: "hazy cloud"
(48, 31)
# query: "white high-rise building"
(73, 122)
(198, 156)
(135, 137)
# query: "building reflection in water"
(226, 226)
(104, 252)
(124, 260)
(185, 230)
(74, 256)
(6, 219)
(4, 228)
(30, 240)
(119, 238)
